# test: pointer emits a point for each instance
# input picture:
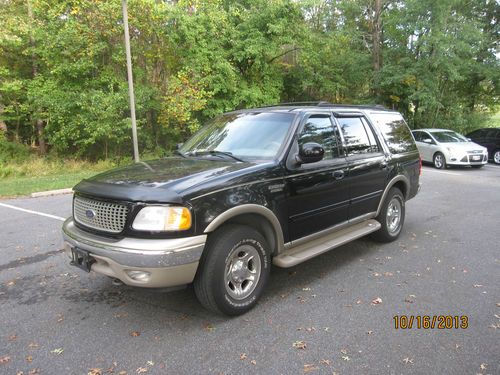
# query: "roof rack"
(327, 105)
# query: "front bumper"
(467, 159)
(163, 262)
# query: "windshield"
(449, 136)
(243, 135)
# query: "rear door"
(318, 192)
(368, 167)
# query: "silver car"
(445, 147)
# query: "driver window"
(319, 129)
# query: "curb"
(51, 192)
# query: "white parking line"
(434, 170)
(32, 212)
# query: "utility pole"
(130, 81)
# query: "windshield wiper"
(215, 153)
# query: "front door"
(318, 192)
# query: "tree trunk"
(3, 125)
(377, 46)
(34, 69)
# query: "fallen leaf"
(369, 332)
(325, 362)
(483, 366)
(122, 372)
(377, 301)
(243, 356)
(327, 329)
(34, 371)
(388, 274)
(299, 345)
(12, 337)
(95, 371)
(150, 363)
(57, 351)
(306, 289)
(19, 373)
(343, 351)
(60, 318)
(141, 370)
(208, 327)
(135, 333)
(29, 358)
(5, 359)
(477, 286)
(253, 362)
(408, 360)
(309, 368)
(11, 283)
(33, 345)
(346, 358)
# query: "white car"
(445, 147)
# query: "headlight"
(162, 218)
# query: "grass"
(39, 174)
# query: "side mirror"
(310, 152)
(428, 140)
(469, 139)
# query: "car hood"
(159, 180)
(464, 146)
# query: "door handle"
(338, 175)
(383, 165)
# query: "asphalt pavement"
(332, 314)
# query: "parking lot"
(333, 314)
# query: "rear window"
(395, 131)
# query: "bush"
(12, 151)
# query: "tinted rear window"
(395, 131)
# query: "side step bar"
(301, 253)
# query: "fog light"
(138, 275)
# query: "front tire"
(391, 217)
(496, 157)
(439, 160)
(233, 270)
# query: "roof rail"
(327, 105)
(296, 104)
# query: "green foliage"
(12, 151)
(63, 65)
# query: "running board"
(301, 253)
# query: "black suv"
(278, 184)
(489, 138)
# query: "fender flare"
(389, 186)
(250, 209)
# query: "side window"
(320, 129)
(395, 131)
(359, 139)
(418, 136)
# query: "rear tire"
(391, 217)
(439, 160)
(233, 270)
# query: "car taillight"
(420, 165)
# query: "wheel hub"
(243, 268)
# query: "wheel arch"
(402, 183)
(256, 216)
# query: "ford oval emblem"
(90, 214)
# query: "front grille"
(475, 152)
(104, 216)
